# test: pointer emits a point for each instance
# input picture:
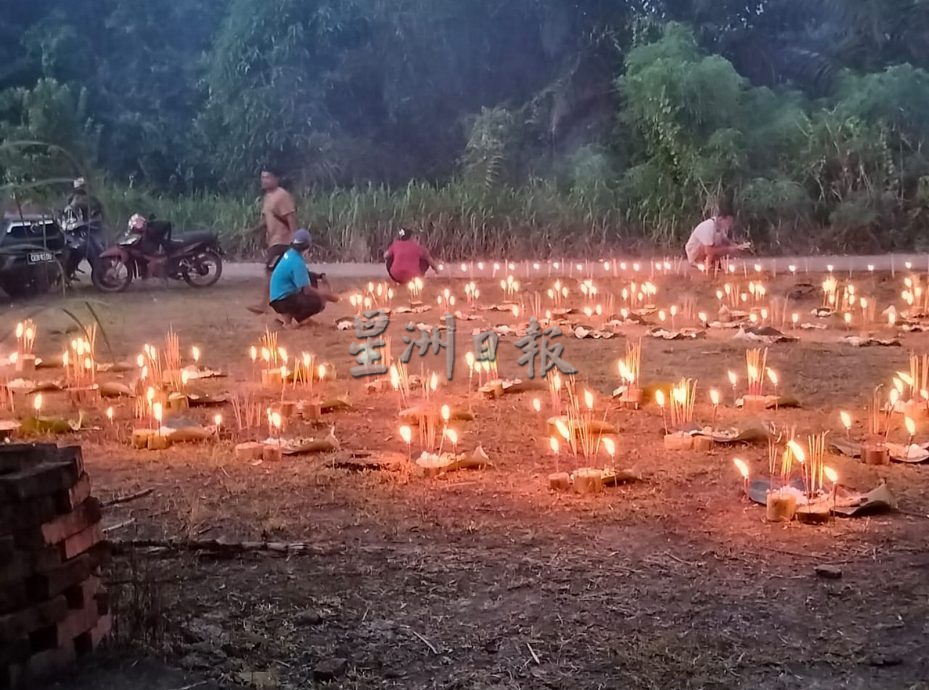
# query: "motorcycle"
(196, 258)
(84, 241)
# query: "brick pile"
(53, 608)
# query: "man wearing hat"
(296, 293)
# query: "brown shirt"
(277, 206)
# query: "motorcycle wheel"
(111, 274)
(205, 269)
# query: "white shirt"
(704, 235)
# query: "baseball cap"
(302, 238)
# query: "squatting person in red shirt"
(407, 259)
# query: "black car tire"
(30, 282)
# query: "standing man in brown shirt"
(279, 222)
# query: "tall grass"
(460, 221)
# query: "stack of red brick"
(52, 606)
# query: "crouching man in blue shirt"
(296, 293)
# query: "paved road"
(803, 264)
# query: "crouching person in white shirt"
(709, 242)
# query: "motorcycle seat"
(188, 238)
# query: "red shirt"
(410, 260)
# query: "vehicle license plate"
(41, 257)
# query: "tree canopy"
(797, 112)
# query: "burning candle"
(911, 430)
(109, 414)
(743, 471)
(714, 398)
(556, 449)
(659, 399)
(537, 405)
(833, 477)
(610, 446)
(195, 353)
(452, 436)
(846, 420)
(158, 415)
(37, 403)
(407, 435)
(733, 380)
(218, 421)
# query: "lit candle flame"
(589, 400)
(797, 451)
(714, 396)
(846, 419)
(831, 475)
(610, 447)
(772, 375)
(452, 436)
(537, 405)
(37, 402)
(562, 429)
(554, 445)
(109, 413)
(446, 413)
(741, 467)
(910, 426)
(158, 412)
(733, 378)
(195, 353)
(406, 434)
(218, 420)
(659, 398)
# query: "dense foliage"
(503, 125)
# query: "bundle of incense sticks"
(756, 362)
(683, 396)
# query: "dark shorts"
(274, 254)
(300, 306)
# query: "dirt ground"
(486, 580)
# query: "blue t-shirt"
(290, 275)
